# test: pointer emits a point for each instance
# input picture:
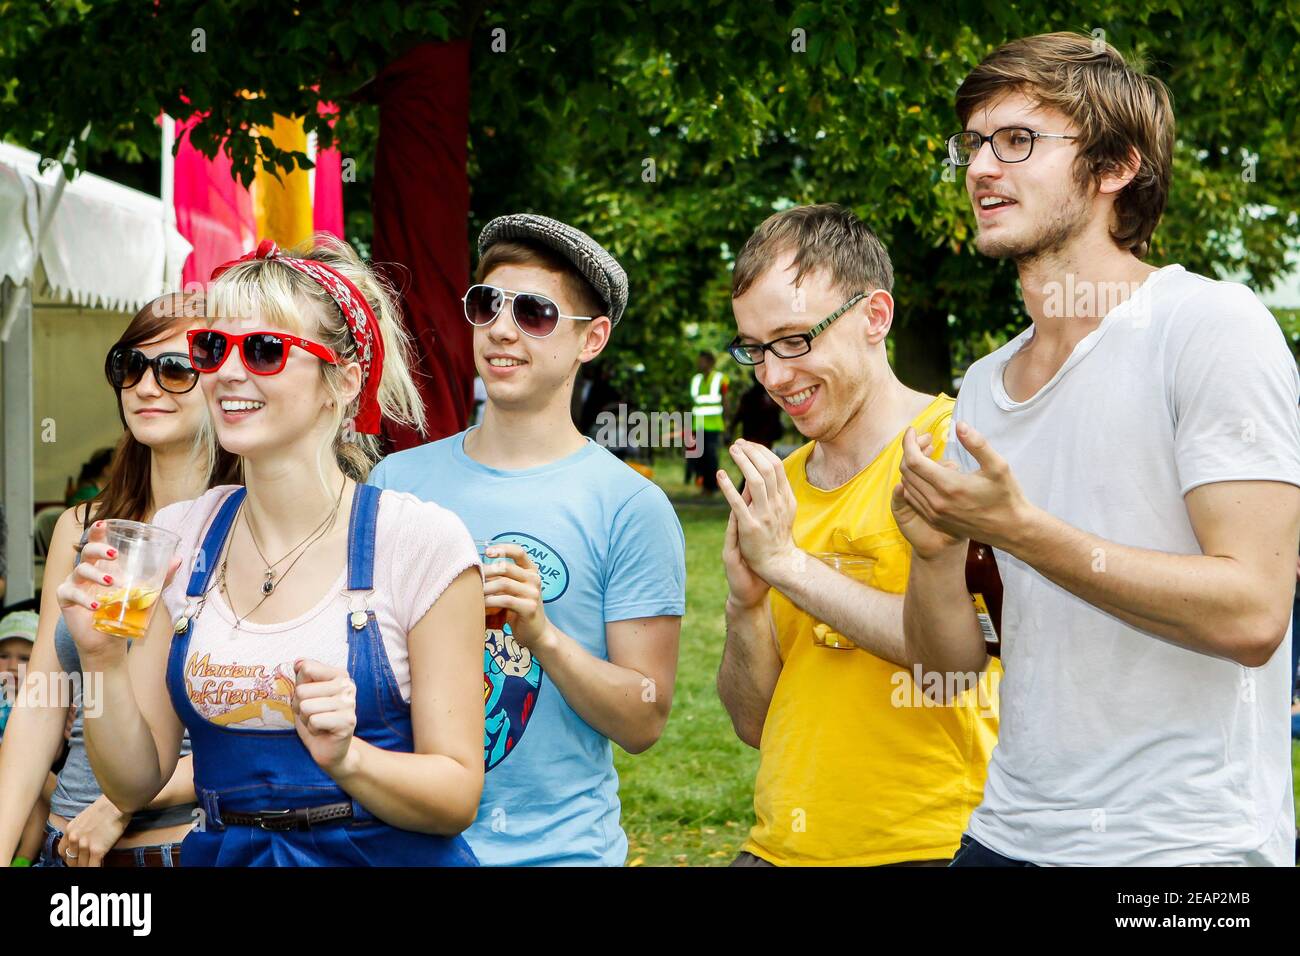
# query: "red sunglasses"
(263, 353)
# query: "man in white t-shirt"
(1133, 458)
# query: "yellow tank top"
(854, 768)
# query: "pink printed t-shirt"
(244, 678)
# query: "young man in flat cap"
(586, 556)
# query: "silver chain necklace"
(321, 531)
(268, 585)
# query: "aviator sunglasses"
(534, 314)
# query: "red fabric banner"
(421, 208)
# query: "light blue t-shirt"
(609, 548)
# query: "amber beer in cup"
(859, 568)
(494, 618)
(138, 571)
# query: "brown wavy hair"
(126, 494)
(1116, 105)
(827, 237)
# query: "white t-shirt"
(1117, 747)
(244, 678)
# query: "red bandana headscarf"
(356, 311)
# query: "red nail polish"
(112, 552)
(108, 579)
(94, 605)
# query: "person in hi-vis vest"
(708, 393)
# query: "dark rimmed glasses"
(534, 314)
(1011, 144)
(125, 367)
(263, 353)
(787, 346)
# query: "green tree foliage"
(670, 128)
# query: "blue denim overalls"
(247, 771)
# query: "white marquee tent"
(77, 260)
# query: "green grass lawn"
(688, 801)
(1295, 779)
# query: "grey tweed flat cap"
(587, 255)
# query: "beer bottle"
(985, 586)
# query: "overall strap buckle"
(361, 552)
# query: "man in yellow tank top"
(863, 761)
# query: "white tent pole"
(19, 448)
(168, 170)
(311, 177)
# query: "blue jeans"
(974, 853)
(50, 851)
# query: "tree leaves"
(736, 121)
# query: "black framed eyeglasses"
(125, 366)
(787, 346)
(1011, 144)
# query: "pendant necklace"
(268, 585)
(320, 532)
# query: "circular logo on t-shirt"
(554, 572)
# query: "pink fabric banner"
(213, 211)
(327, 204)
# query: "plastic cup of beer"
(494, 618)
(138, 570)
(856, 566)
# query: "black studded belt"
(302, 818)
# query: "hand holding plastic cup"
(494, 617)
(137, 571)
(859, 568)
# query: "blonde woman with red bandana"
(323, 644)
